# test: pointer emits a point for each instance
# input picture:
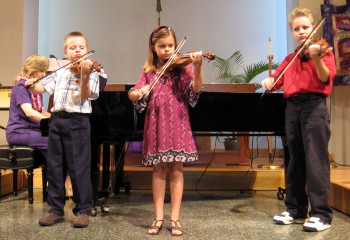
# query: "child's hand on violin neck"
(314, 50)
(196, 58)
(86, 66)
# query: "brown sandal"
(177, 227)
(155, 227)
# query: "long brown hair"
(158, 33)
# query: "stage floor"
(223, 177)
(205, 215)
(340, 188)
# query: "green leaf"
(228, 69)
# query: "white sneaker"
(314, 224)
(285, 219)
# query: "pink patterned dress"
(167, 131)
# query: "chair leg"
(14, 181)
(44, 180)
(30, 185)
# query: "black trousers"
(69, 148)
(308, 171)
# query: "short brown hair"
(301, 12)
(75, 34)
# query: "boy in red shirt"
(307, 82)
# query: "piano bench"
(22, 158)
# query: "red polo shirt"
(301, 76)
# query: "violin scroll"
(209, 56)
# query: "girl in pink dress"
(168, 140)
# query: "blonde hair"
(152, 61)
(301, 12)
(75, 34)
(34, 63)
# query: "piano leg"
(106, 154)
(120, 151)
(282, 191)
(98, 164)
(105, 167)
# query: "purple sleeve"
(18, 121)
(141, 104)
(192, 96)
(21, 94)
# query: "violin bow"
(156, 79)
(64, 66)
(307, 40)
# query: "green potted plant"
(231, 70)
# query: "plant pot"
(231, 144)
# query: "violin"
(324, 48)
(68, 65)
(182, 60)
(76, 68)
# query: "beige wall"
(4, 116)
(11, 47)
(11, 35)
(314, 5)
(19, 39)
(18, 34)
(340, 124)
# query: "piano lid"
(229, 87)
(113, 113)
(207, 87)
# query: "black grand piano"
(114, 117)
(220, 111)
(223, 109)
